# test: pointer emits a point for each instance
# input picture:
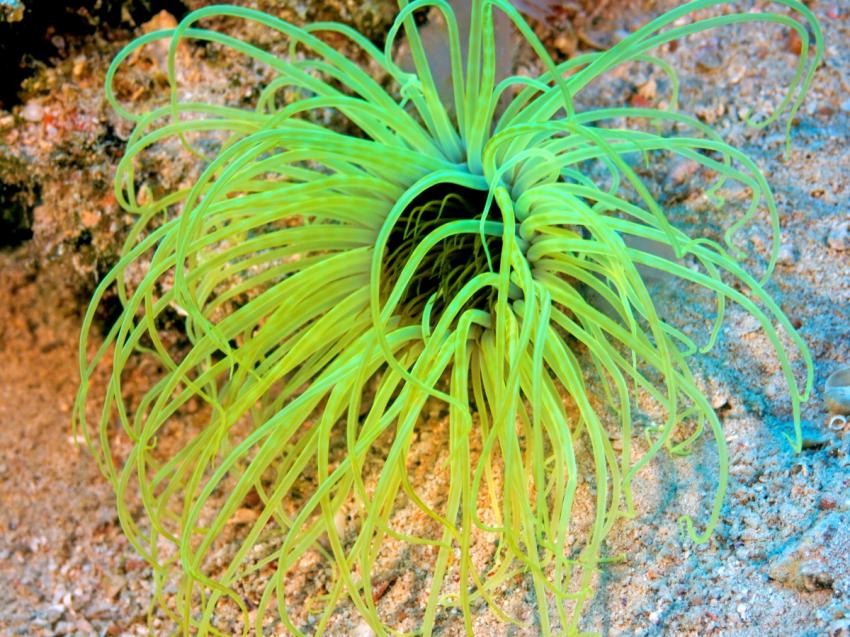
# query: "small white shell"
(837, 423)
(837, 391)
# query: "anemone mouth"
(449, 263)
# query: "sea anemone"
(485, 255)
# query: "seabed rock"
(819, 558)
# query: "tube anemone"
(490, 257)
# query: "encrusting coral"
(453, 248)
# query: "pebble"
(839, 236)
(719, 398)
(32, 112)
(54, 613)
(648, 90)
(845, 105)
(786, 254)
(736, 73)
(827, 502)
(708, 58)
(89, 218)
(362, 630)
(681, 171)
(79, 67)
(243, 516)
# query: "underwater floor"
(779, 561)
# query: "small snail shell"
(837, 391)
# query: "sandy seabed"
(778, 563)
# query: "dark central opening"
(452, 262)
